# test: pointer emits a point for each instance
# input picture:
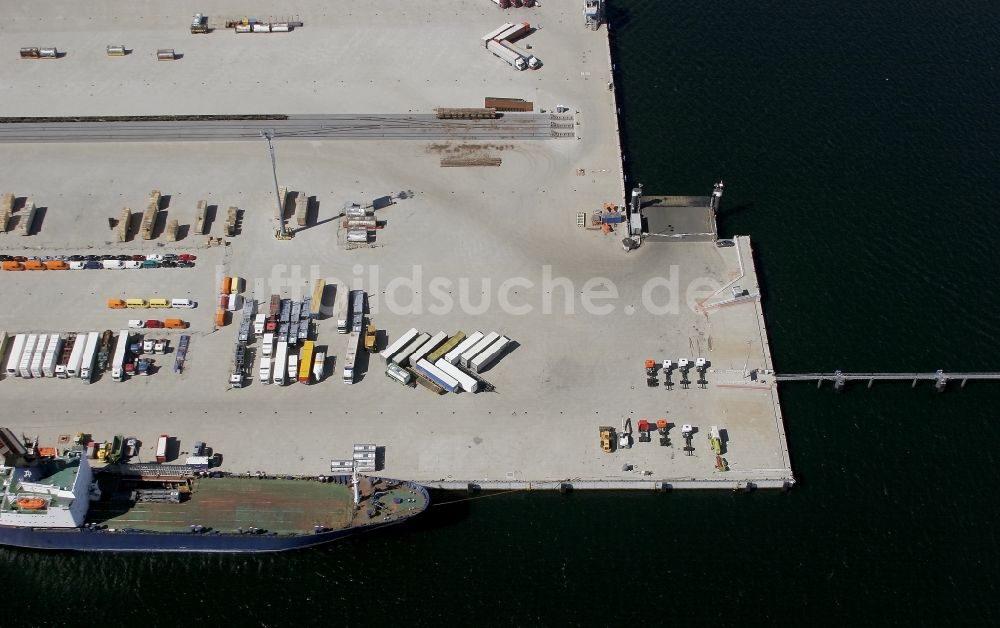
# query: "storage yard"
(558, 321)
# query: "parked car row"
(106, 262)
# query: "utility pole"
(281, 234)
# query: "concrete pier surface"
(488, 248)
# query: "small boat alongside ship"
(63, 503)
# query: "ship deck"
(227, 504)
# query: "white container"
(76, 356)
(482, 361)
(453, 355)
(427, 347)
(233, 302)
(479, 347)
(398, 344)
(16, 350)
(30, 345)
(468, 384)
(89, 355)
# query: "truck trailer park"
(459, 249)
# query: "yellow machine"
(607, 437)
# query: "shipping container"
(234, 302)
(483, 361)
(453, 355)
(399, 343)
(456, 339)
(316, 305)
(468, 383)
(437, 376)
(39, 356)
(227, 285)
(478, 348)
(51, 358)
(493, 34)
(116, 50)
(89, 355)
(432, 343)
(305, 362)
(220, 318)
(514, 32)
(403, 356)
(30, 346)
(161, 448)
(14, 358)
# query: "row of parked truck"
(83, 355)
(500, 42)
(451, 363)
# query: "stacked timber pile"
(172, 230)
(359, 221)
(149, 216)
(27, 218)
(124, 220)
(6, 208)
(199, 218)
(465, 113)
(472, 160)
(301, 209)
(509, 104)
(230, 226)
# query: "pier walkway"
(839, 378)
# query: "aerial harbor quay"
(459, 168)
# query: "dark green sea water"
(858, 142)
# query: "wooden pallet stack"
(124, 220)
(149, 216)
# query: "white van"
(183, 303)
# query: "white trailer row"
(458, 367)
(36, 356)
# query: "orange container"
(34, 264)
(12, 265)
(227, 284)
(56, 264)
(220, 318)
(174, 323)
(116, 304)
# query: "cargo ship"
(63, 503)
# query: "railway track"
(511, 126)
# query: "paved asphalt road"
(314, 127)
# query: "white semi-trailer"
(453, 355)
(515, 60)
(478, 348)
(514, 31)
(39, 355)
(16, 350)
(30, 345)
(482, 361)
(280, 364)
(427, 347)
(340, 309)
(352, 351)
(265, 370)
(399, 344)
(118, 362)
(76, 355)
(51, 358)
(89, 355)
(468, 384)
(403, 357)
(437, 376)
(493, 34)
(533, 62)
